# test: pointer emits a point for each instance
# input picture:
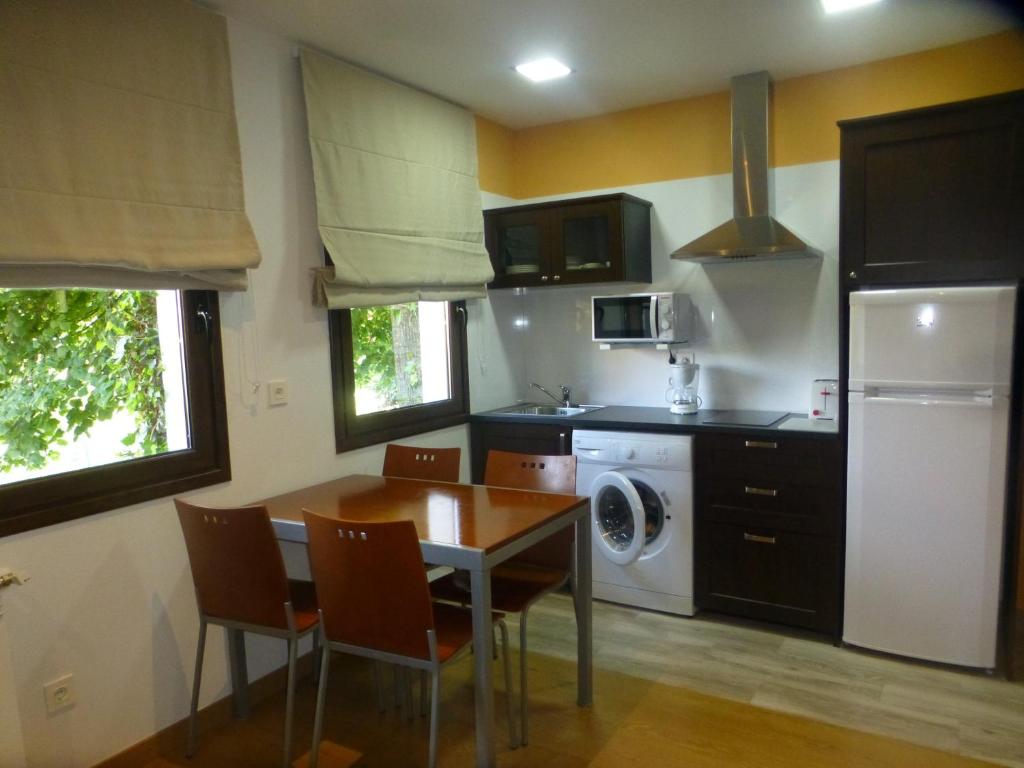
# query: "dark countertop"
(643, 419)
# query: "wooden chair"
(375, 602)
(241, 584)
(543, 568)
(440, 464)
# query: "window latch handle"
(203, 321)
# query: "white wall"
(111, 597)
(764, 330)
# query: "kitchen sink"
(533, 409)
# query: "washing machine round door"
(618, 516)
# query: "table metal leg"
(480, 587)
(582, 586)
(239, 673)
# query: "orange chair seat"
(513, 585)
(454, 628)
(303, 595)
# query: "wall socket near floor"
(277, 392)
(60, 693)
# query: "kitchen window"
(107, 398)
(397, 370)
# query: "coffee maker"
(682, 385)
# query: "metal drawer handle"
(760, 444)
(760, 491)
(758, 539)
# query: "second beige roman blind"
(119, 156)
(398, 201)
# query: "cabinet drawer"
(771, 459)
(768, 574)
(784, 505)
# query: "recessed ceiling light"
(838, 6)
(543, 69)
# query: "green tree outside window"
(70, 359)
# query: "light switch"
(277, 392)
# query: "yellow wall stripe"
(495, 156)
(690, 137)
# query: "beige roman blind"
(119, 157)
(398, 201)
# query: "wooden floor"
(668, 692)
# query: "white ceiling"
(625, 53)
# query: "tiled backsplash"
(763, 330)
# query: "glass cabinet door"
(582, 240)
(590, 242)
(519, 246)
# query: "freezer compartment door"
(946, 338)
(924, 526)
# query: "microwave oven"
(661, 318)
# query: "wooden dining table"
(471, 527)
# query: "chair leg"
(289, 707)
(507, 667)
(423, 693)
(407, 682)
(321, 698)
(435, 714)
(190, 746)
(316, 655)
(378, 679)
(523, 666)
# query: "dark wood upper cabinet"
(934, 194)
(585, 240)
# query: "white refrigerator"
(928, 419)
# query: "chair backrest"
(236, 563)
(554, 474)
(370, 584)
(422, 463)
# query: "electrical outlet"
(277, 392)
(60, 693)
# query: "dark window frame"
(353, 431)
(45, 501)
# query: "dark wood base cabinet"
(542, 439)
(767, 518)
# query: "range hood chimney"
(752, 233)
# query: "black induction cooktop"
(742, 418)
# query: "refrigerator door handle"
(944, 400)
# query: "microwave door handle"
(654, 317)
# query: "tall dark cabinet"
(935, 196)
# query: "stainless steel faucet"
(564, 400)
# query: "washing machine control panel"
(654, 454)
(667, 452)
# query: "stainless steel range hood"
(752, 233)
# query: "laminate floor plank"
(799, 672)
(669, 691)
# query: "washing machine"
(641, 509)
